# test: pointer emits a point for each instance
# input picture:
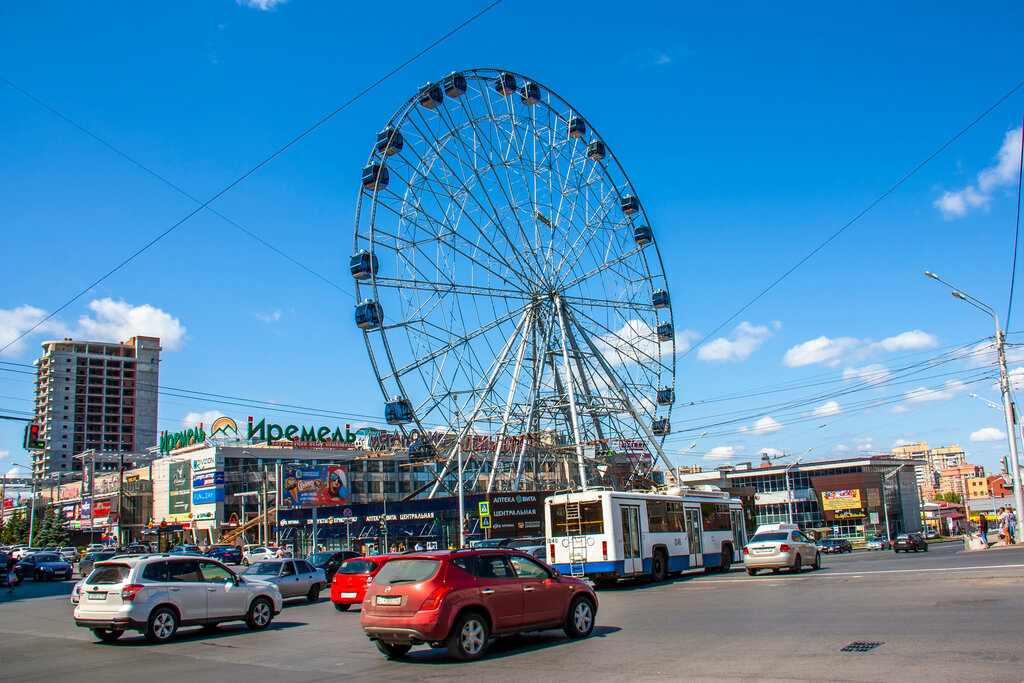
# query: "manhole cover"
(860, 647)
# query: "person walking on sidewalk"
(983, 529)
(12, 578)
(1011, 524)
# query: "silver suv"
(156, 594)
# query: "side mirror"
(555, 573)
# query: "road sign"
(484, 508)
(347, 512)
(485, 521)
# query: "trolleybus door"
(693, 537)
(632, 559)
(738, 530)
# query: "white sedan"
(778, 549)
(263, 553)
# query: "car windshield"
(407, 571)
(770, 536)
(320, 558)
(490, 543)
(48, 557)
(265, 568)
(357, 567)
(525, 542)
(108, 574)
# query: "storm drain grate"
(860, 647)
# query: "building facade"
(95, 396)
(932, 460)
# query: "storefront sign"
(206, 462)
(179, 498)
(205, 515)
(270, 433)
(207, 479)
(849, 513)
(204, 496)
(840, 500)
(516, 513)
(319, 485)
(188, 437)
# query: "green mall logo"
(275, 432)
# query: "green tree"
(16, 530)
(50, 532)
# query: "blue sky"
(751, 131)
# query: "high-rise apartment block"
(95, 395)
(947, 459)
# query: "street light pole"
(1004, 385)
(789, 490)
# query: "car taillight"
(433, 601)
(129, 592)
(369, 580)
(604, 549)
(746, 550)
(784, 548)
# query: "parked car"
(92, 547)
(294, 578)
(69, 553)
(228, 554)
(24, 551)
(137, 549)
(908, 542)
(834, 545)
(459, 599)
(85, 565)
(43, 567)
(777, 547)
(538, 551)
(348, 587)
(4, 557)
(879, 543)
(157, 594)
(330, 560)
(186, 550)
(264, 553)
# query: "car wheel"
(659, 567)
(163, 623)
(580, 621)
(817, 562)
(751, 571)
(726, 563)
(260, 614)
(342, 606)
(245, 562)
(468, 638)
(926, 547)
(392, 649)
(108, 635)
(798, 564)
(314, 593)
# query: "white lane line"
(861, 575)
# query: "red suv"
(348, 587)
(458, 599)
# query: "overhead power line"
(238, 180)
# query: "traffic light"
(34, 437)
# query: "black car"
(835, 545)
(908, 542)
(228, 554)
(330, 560)
(43, 567)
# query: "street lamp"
(789, 490)
(679, 467)
(1004, 385)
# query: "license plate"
(389, 600)
(350, 596)
(96, 596)
(763, 551)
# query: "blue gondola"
(661, 427)
(630, 205)
(369, 315)
(660, 298)
(454, 85)
(595, 150)
(665, 332)
(421, 449)
(530, 93)
(431, 96)
(375, 177)
(398, 411)
(642, 235)
(363, 265)
(505, 84)
(666, 396)
(389, 141)
(577, 127)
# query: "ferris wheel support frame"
(572, 394)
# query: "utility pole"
(266, 515)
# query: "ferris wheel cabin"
(642, 235)
(398, 411)
(596, 150)
(363, 265)
(630, 205)
(454, 85)
(660, 298)
(505, 84)
(665, 332)
(577, 127)
(661, 427)
(389, 142)
(430, 96)
(375, 177)
(666, 396)
(369, 315)
(530, 93)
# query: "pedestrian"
(394, 548)
(401, 547)
(12, 578)
(1011, 524)
(1004, 532)
(983, 529)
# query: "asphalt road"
(942, 615)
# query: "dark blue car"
(43, 567)
(226, 553)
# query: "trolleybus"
(607, 535)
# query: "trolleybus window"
(664, 517)
(591, 520)
(715, 517)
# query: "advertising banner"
(874, 500)
(515, 513)
(101, 508)
(179, 492)
(207, 479)
(319, 485)
(70, 511)
(840, 500)
(849, 513)
(204, 496)
(206, 462)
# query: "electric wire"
(1016, 232)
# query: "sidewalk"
(972, 544)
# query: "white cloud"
(1003, 173)
(841, 448)
(765, 425)
(987, 434)
(771, 452)
(4, 454)
(649, 56)
(119, 321)
(206, 418)
(746, 339)
(723, 452)
(828, 409)
(822, 350)
(900, 409)
(1016, 376)
(264, 5)
(901, 442)
(272, 317)
(914, 340)
(926, 395)
(874, 374)
(15, 321)
(16, 472)
(637, 342)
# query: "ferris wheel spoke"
(451, 288)
(597, 225)
(603, 267)
(616, 341)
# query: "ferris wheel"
(509, 285)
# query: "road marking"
(861, 575)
